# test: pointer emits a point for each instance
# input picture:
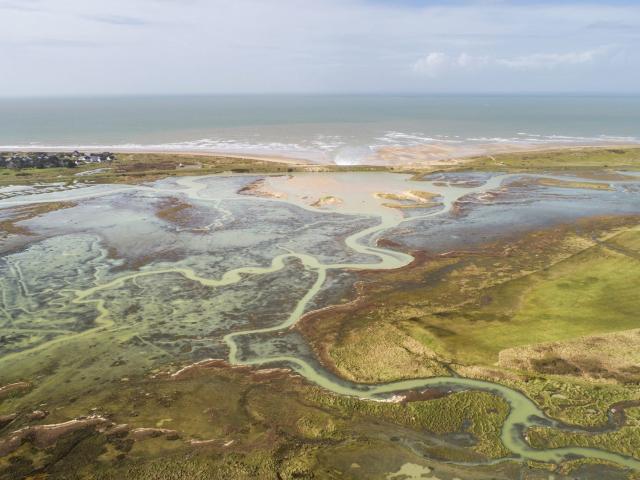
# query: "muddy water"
(357, 192)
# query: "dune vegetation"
(471, 311)
(602, 159)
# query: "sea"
(342, 129)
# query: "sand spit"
(409, 199)
(259, 189)
(328, 201)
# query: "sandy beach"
(420, 156)
(446, 155)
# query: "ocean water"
(342, 129)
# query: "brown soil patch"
(258, 189)
(175, 211)
(208, 365)
(20, 214)
(43, 436)
(6, 390)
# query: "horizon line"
(321, 94)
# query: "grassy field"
(618, 158)
(136, 168)
(624, 441)
(144, 167)
(478, 413)
(461, 312)
(552, 289)
(141, 167)
(548, 286)
(567, 299)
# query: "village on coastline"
(18, 160)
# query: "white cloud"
(464, 60)
(432, 64)
(552, 60)
(237, 46)
(436, 63)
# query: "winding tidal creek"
(358, 200)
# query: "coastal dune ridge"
(417, 154)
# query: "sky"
(97, 47)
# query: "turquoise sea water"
(343, 128)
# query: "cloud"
(24, 6)
(464, 60)
(317, 46)
(436, 63)
(615, 26)
(432, 64)
(552, 60)
(59, 43)
(116, 20)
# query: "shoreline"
(424, 155)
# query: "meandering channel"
(523, 412)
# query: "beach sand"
(434, 155)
